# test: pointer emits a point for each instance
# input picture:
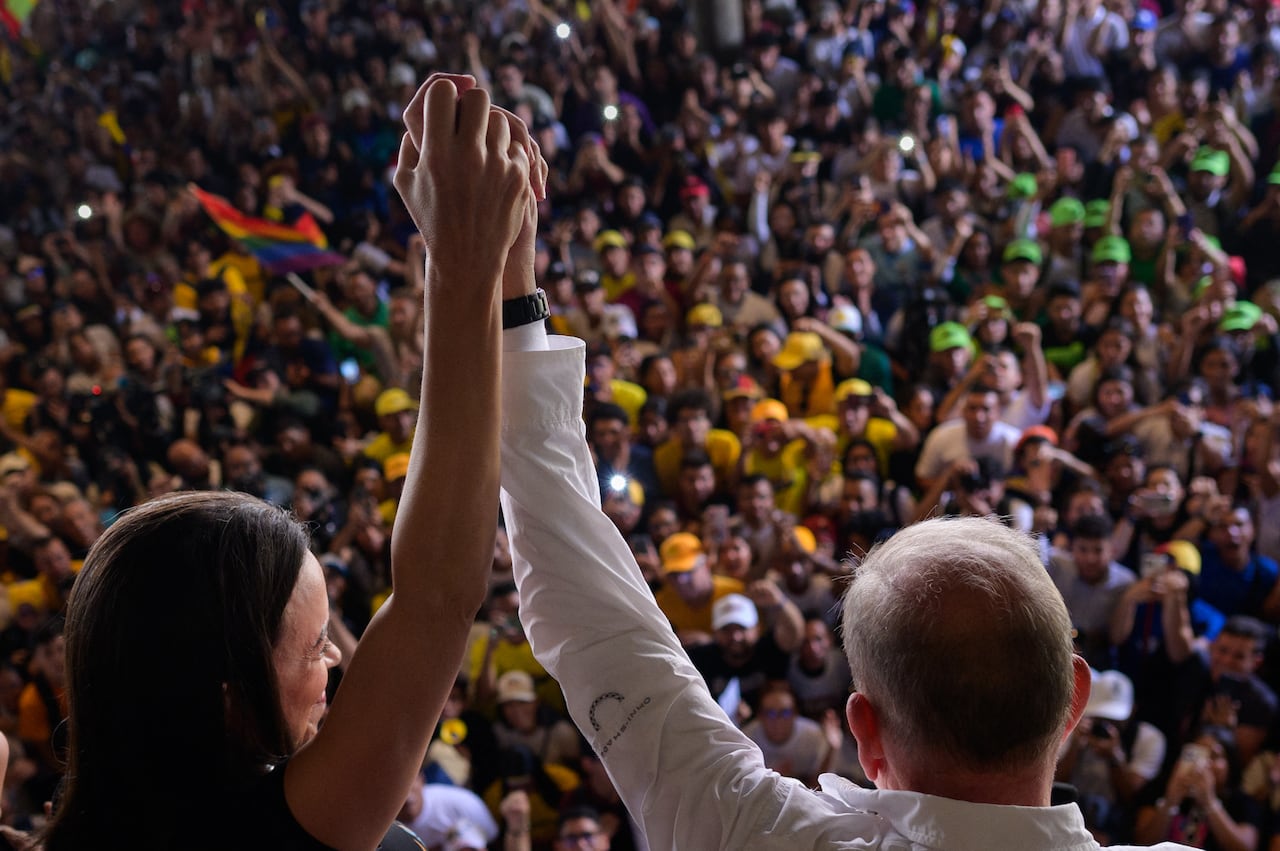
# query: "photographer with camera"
(1110, 757)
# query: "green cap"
(1023, 249)
(997, 305)
(1241, 316)
(1203, 284)
(1096, 213)
(949, 335)
(1112, 249)
(1274, 177)
(1211, 160)
(1066, 211)
(1024, 186)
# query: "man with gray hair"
(960, 648)
(959, 644)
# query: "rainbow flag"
(279, 248)
(14, 13)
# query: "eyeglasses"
(777, 714)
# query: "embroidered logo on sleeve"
(608, 712)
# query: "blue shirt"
(1233, 592)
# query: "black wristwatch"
(525, 310)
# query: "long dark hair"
(173, 696)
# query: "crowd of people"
(840, 269)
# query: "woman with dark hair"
(198, 647)
(1202, 804)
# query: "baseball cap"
(609, 239)
(586, 280)
(734, 610)
(744, 387)
(855, 387)
(1111, 697)
(1211, 160)
(1184, 555)
(1144, 20)
(800, 347)
(705, 314)
(1023, 186)
(1037, 431)
(1112, 249)
(680, 553)
(949, 335)
(679, 239)
(1241, 316)
(769, 409)
(1274, 177)
(516, 686)
(1066, 211)
(1023, 249)
(393, 401)
(693, 187)
(807, 541)
(998, 306)
(12, 462)
(1096, 213)
(556, 270)
(844, 317)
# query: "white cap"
(1111, 697)
(734, 609)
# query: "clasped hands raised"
(471, 178)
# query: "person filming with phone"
(1202, 804)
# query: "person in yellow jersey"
(868, 413)
(806, 385)
(397, 417)
(689, 415)
(779, 447)
(689, 588)
(615, 261)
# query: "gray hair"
(957, 636)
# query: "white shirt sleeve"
(689, 776)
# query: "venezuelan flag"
(14, 13)
(279, 248)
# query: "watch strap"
(525, 309)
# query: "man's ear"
(865, 726)
(1082, 685)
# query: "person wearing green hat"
(950, 353)
(1064, 241)
(1217, 184)
(1110, 257)
(1019, 272)
(1097, 214)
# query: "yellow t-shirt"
(39, 593)
(381, 447)
(516, 657)
(722, 446)
(881, 434)
(685, 618)
(16, 406)
(614, 287)
(787, 472)
(820, 399)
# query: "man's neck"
(1029, 788)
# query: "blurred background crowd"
(838, 267)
